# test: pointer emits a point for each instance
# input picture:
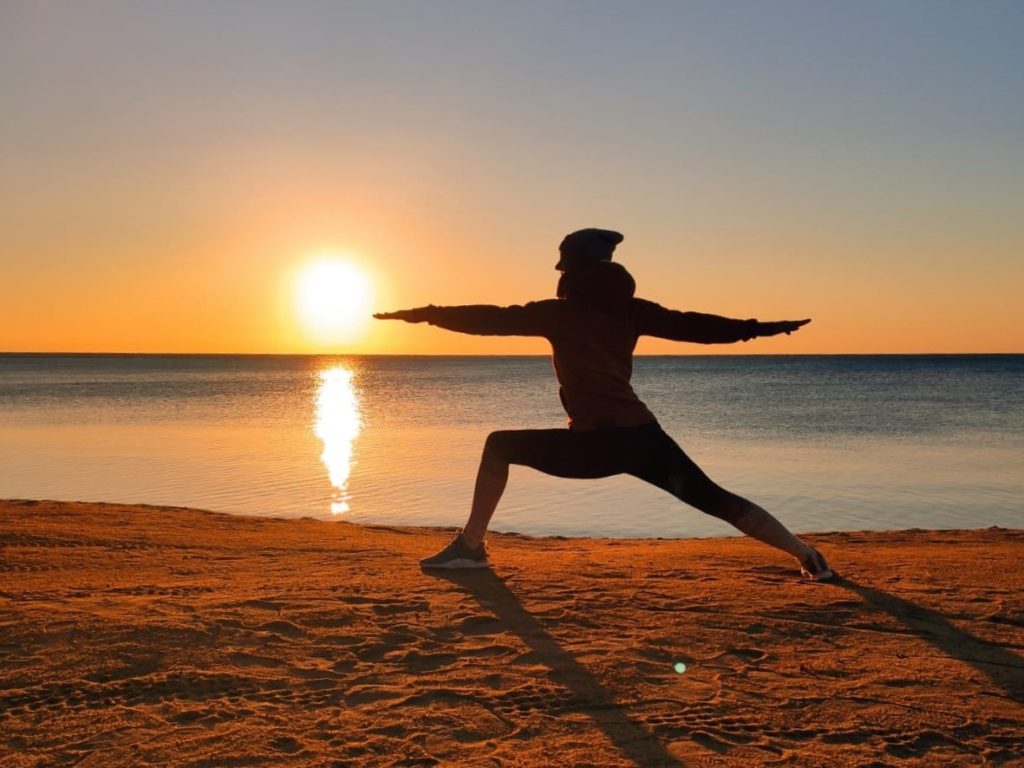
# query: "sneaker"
(458, 555)
(814, 567)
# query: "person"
(593, 326)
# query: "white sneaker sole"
(823, 576)
(458, 564)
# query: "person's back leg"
(668, 467)
(758, 523)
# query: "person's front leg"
(491, 479)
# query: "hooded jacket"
(593, 328)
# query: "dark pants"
(645, 452)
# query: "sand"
(150, 636)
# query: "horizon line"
(463, 355)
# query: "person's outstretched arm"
(533, 319)
(655, 320)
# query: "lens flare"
(679, 667)
(338, 421)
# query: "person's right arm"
(533, 319)
(655, 320)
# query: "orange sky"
(167, 172)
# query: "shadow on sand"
(1002, 667)
(631, 739)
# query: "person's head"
(599, 283)
(586, 246)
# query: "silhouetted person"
(593, 327)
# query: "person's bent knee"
(496, 448)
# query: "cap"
(585, 245)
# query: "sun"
(333, 297)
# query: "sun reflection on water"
(337, 424)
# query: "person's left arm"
(533, 319)
(655, 320)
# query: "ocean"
(827, 443)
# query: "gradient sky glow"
(166, 168)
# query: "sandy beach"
(152, 636)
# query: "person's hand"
(780, 326)
(409, 315)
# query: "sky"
(168, 169)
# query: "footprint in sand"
(240, 659)
(286, 744)
(281, 627)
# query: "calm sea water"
(826, 443)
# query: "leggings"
(645, 452)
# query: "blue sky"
(856, 152)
